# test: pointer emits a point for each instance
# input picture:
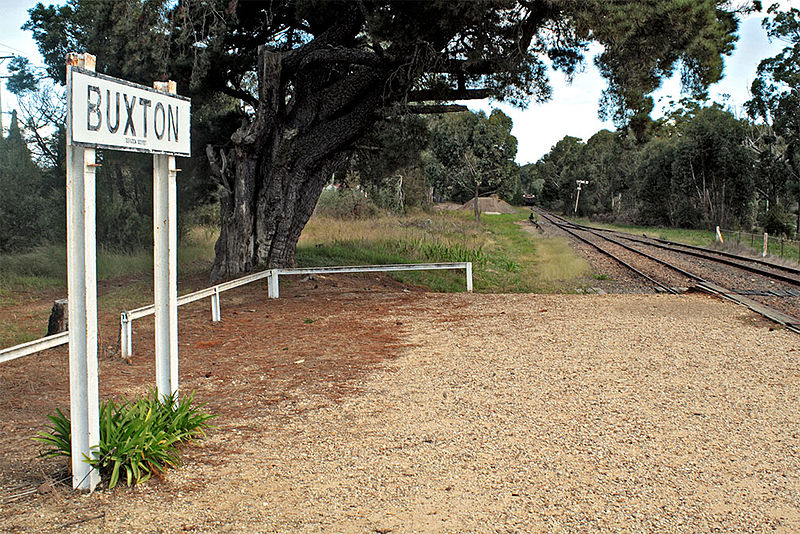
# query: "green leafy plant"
(58, 441)
(138, 438)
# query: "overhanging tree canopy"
(313, 75)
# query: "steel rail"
(705, 253)
(708, 254)
(759, 261)
(611, 255)
(789, 322)
(645, 254)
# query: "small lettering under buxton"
(112, 113)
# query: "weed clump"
(138, 438)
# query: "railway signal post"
(578, 196)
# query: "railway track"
(769, 289)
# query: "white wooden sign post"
(104, 112)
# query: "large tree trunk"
(279, 163)
(265, 209)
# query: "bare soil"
(355, 405)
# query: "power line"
(12, 48)
(23, 54)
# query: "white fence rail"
(272, 275)
(213, 292)
(31, 347)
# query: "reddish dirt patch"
(319, 335)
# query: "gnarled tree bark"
(279, 163)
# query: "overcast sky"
(572, 111)
(573, 108)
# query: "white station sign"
(110, 113)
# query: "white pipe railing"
(213, 292)
(272, 275)
(466, 265)
(31, 347)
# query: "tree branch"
(240, 94)
(465, 66)
(423, 95)
(427, 109)
(344, 55)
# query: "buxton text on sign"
(116, 114)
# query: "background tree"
(713, 170)
(24, 212)
(559, 169)
(776, 102)
(607, 166)
(389, 164)
(313, 76)
(696, 170)
(133, 41)
(472, 155)
(529, 180)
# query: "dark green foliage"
(778, 221)
(388, 164)
(529, 180)
(21, 77)
(680, 31)
(558, 171)
(138, 438)
(25, 207)
(656, 201)
(345, 204)
(776, 101)
(695, 171)
(713, 171)
(131, 40)
(470, 151)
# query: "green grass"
(30, 276)
(754, 244)
(504, 257)
(46, 266)
(540, 264)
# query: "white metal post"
(273, 291)
(766, 245)
(82, 294)
(165, 237)
(165, 287)
(216, 312)
(123, 336)
(469, 276)
(578, 196)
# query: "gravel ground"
(500, 413)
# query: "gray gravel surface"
(507, 413)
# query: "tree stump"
(59, 318)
